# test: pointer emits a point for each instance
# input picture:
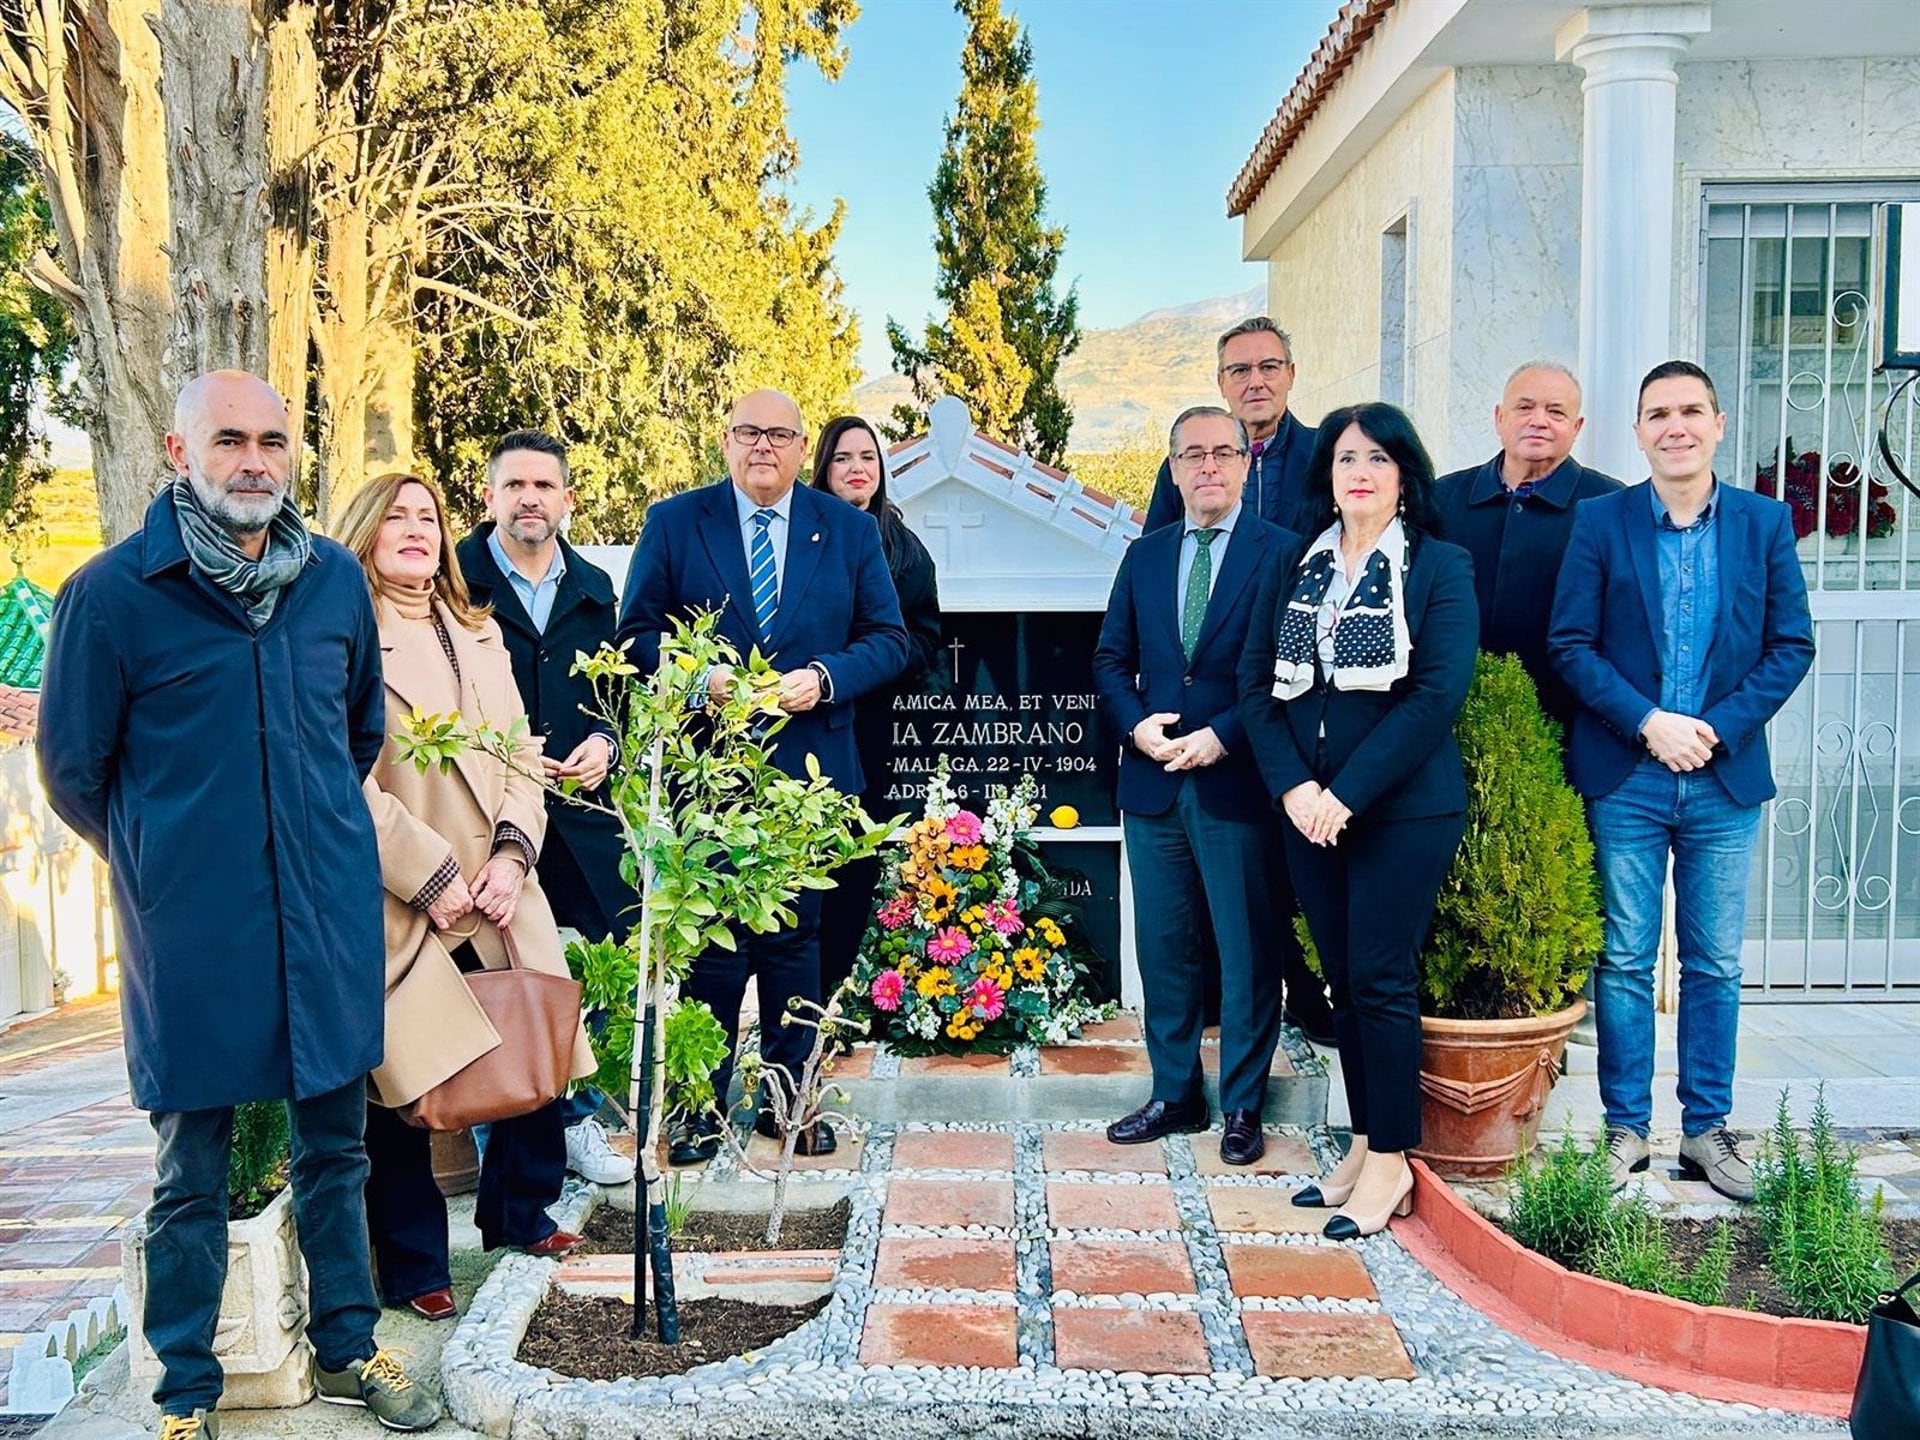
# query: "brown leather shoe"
(434, 1305)
(556, 1245)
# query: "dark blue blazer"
(1141, 669)
(837, 606)
(1278, 502)
(1607, 622)
(1388, 754)
(559, 702)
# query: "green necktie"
(1193, 608)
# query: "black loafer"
(1159, 1118)
(696, 1144)
(817, 1139)
(1241, 1142)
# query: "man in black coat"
(1256, 374)
(1513, 515)
(552, 604)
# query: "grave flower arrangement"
(965, 953)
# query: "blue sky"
(1148, 108)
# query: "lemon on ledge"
(1064, 817)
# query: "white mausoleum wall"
(1516, 242)
(1783, 121)
(1323, 283)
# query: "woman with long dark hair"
(849, 461)
(1356, 664)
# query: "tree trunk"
(365, 339)
(147, 118)
(293, 123)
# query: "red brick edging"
(1724, 1354)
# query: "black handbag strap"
(1900, 1294)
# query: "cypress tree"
(1004, 334)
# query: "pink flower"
(949, 945)
(896, 912)
(987, 999)
(964, 828)
(1004, 916)
(888, 987)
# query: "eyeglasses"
(1219, 454)
(1269, 370)
(779, 437)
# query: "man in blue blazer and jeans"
(1201, 837)
(800, 574)
(1681, 626)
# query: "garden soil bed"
(588, 1337)
(610, 1232)
(1751, 1285)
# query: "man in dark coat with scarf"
(212, 702)
(553, 604)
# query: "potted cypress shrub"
(1515, 930)
(260, 1335)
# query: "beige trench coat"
(434, 1025)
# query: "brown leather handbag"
(536, 1016)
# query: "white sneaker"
(591, 1158)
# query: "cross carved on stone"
(949, 522)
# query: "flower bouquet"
(963, 954)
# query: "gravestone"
(1026, 558)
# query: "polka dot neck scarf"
(1371, 645)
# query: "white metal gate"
(1790, 321)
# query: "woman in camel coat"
(457, 849)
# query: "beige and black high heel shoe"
(1349, 1226)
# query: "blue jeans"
(1711, 839)
(187, 1239)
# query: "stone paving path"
(68, 1184)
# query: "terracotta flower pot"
(1483, 1084)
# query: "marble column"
(1627, 247)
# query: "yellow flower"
(936, 898)
(1053, 934)
(1064, 817)
(968, 857)
(937, 981)
(1000, 975)
(964, 1025)
(1031, 964)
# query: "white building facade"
(1453, 187)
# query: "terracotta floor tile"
(1122, 1267)
(1263, 1207)
(1080, 1205)
(954, 1064)
(1157, 1342)
(1120, 1027)
(1320, 1347)
(1090, 1150)
(855, 1066)
(765, 1153)
(939, 1335)
(944, 1265)
(1320, 1271)
(949, 1202)
(1279, 1068)
(1094, 1060)
(952, 1150)
(1285, 1155)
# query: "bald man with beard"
(799, 574)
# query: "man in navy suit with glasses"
(800, 574)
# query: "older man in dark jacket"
(553, 604)
(212, 703)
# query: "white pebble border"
(1474, 1379)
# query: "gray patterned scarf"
(215, 553)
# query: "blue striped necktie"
(766, 581)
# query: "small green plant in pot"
(1515, 930)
